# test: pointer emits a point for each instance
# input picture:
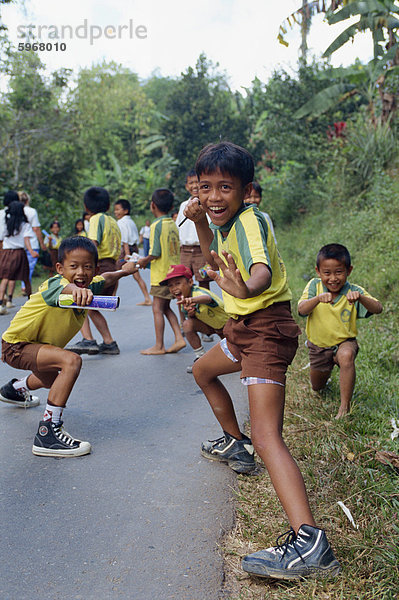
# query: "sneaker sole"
(21, 404)
(85, 449)
(83, 351)
(235, 465)
(315, 572)
(110, 352)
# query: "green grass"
(337, 458)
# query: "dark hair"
(191, 173)
(15, 216)
(336, 251)
(256, 188)
(125, 204)
(79, 221)
(96, 199)
(55, 222)
(73, 243)
(9, 197)
(163, 199)
(226, 157)
(85, 214)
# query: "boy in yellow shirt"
(203, 311)
(164, 251)
(261, 341)
(36, 338)
(332, 305)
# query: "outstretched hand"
(232, 281)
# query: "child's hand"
(188, 304)
(326, 297)
(352, 296)
(142, 262)
(232, 281)
(82, 296)
(34, 254)
(193, 210)
(129, 267)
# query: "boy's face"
(119, 211)
(180, 286)
(333, 273)
(222, 195)
(192, 185)
(55, 229)
(253, 198)
(78, 267)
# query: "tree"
(201, 109)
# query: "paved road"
(139, 518)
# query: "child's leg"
(174, 323)
(3, 287)
(102, 325)
(318, 379)
(266, 404)
(206, 371)
(345, 358)
(143, 287)
(158, 310)
(67, 364)
(191, 326)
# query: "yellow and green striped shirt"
(212, 314)
(104, 230)
(165, 245)
(250, 241)
(40, 320)
(331, 324)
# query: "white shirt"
(33, 219)
(145, 231)
(13, 242)
(129, 232)
(187, 232)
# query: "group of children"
(259, 336)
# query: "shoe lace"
(218, 441)
(25, 395)
(290, 543)
(63, 435)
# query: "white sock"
(53, 413)
(199, 351)
(21, 384)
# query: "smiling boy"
(332, 305)
(203, 311)
(36, 338)
(261, 341)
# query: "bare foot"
(153, 350)
(145, 303)
(343, 412)
(179, 345)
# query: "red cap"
(176, 271)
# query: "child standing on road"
(203, 310)
(53, 242)
(130, 238)
(164, 251)
(105, 234)
(261, 341)
(16, 237)
(332, 305)
(36, 338)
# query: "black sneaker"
(307, 554)
(53, 440)
(190, 367)
(238, 454)
(84, 347)
(17, 397)
(111, 348)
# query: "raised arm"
(196, 213)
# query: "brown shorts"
(107, 265)
(324, 359)
(161, 291)
(192, 257)
(264, 342)
(23, 356)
